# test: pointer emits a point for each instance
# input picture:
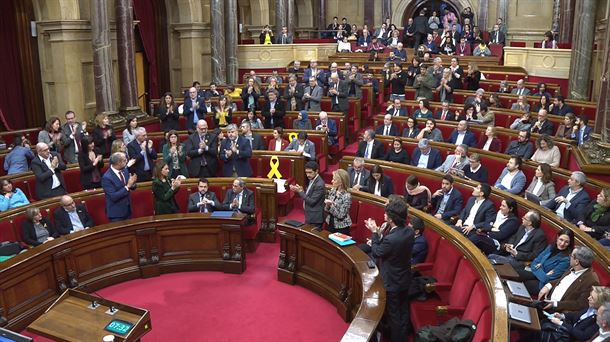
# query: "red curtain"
(144, 12)
(11, 90)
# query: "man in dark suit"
(445, 113)
(293, 94)
(285, 37)
(570, 292)
(141, 149)
(47, 168)
(369, 147)
(543, 125)
(425, 156)
(72, 132)
(462, 135)
(572, 199)
(393, 253)
(327, 125)
(525, 245)
(388, 128)
(447, 201)
(560, 107)
(520, 89)
(71, 217)
(202, 148)
(236, 152)
(273, 111)
(479, 211)
(117, 184)
(240, 199)
(203, 201)
(338, 90)
(496, 36)
(193, 109)
(255, 140)
(396, 109)
(314, 196)
(581, 131)
(358, 175)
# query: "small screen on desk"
(119, 327)
(4, 339)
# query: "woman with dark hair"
(52, 135)
(494, 101)
(103, 134)
(549, 41)
(11, 197)
(566, 128)
(546, 151)
(417, 195)
(132, 124)
(253, 119)
(430, 132)
(413, 70)
(91, 164)
(490, 237)
(548, 265)
(595, 219)
(224, 113)
(168, 113)
(543, 103)
(473, 76)
(411, 130)
(379, 184)
(542, 184)
(36, 229)
(278, 143)
(164, 189)
(174, 154)
(423, 112)
(397, 154)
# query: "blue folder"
(222, 213)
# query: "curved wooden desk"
(116, 252)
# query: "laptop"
(518, 289)
(532, 198)
(519, 312)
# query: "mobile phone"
(371, 264)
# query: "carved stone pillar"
(483, 14)
(126, 58)
(566, 20)
(291, 16)
(280, 16)
(602, 117)
(556, 16)
(582, 49)
(386, 10)
(502, 12)
(102, 59)
(218, 41)
(321, 15)
(231, 41)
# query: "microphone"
(94, 304)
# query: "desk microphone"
(94, 304)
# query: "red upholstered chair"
(72, 180)
(517, 44)
(483, 332)
(182, 197)
(27, 185)
(7, 231)
(444, 272)
(365, 211)
(96, 206)
(478, 303)
(538, 45)
(142, 203)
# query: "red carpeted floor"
(213, 306)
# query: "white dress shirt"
(473, 212)
(564, 285)
(565, 205)
(56, 182)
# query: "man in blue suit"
(141, 149)
(478, 213)
(447, 201)
(327, 125)
(462, 135)
(314, 71)
(236, 152)
(117, 183)
(582, 132)
(572, 199)
(425, 156)
(194, 109)
(512, 179)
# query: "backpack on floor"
(454, 330)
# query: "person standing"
(164, 189)
(142, 150)
(313, 196)
(117, 184)
(47, 168)
(338, 204)
(202, 148)
(72, 132)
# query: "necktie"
(203, 161)
(366, 151)
(444, 116)
(336, 95)
(386, 130)
(146, 164)
(122, 177)
(356, 179)
(396, 112)
(203, 208)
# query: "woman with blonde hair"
(103, 134)
(546, 151)
(37, 229)
(338, 203)
(595, 219)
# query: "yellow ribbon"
(292, 136)
(274, 163)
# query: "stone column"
(502, 12)
(556, 16)
(386, 11)
(602, 117)
(483, 14)
(321, 16)
(566, 20)
(126, 58)
(231, 41)
(582, 50)
(291, 9)
(280, 16)
(102, 58)
(218, 41)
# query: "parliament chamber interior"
(354, 170)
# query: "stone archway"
(406, 9)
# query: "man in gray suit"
(285, 37)
(72, 132)
(338, 91)
(358, 175)
(203, 201)
(302, 144)
(313, 96)
(313, 197)
(456, 161)
(355, 82)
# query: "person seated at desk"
(369, 147)
(521, 147)
(338, 203)
(478, 213)
(572, 199)
(521, 104)
(524, 245)
(71, 217)
(204, 200)
(462, 135)
(542, 184)
(11, 197)
(543, 103)
(379, 184)
(430, 132)
(420, 245)
(396, 109)
(18, 159)
(416, 195)
(397, 154)
(444, 114)
(581, 132)
(489, 141)
(595, 218)
(278, 143)
(302, 121)
(569, 293)
(358, 174)
(423, 112)
(303, 145)
(447, 201)
(328, 126)
(164, 189)
(491, 237)
(456, 161)
(411, 130)
(474, 171)
(546, 151)
(240, 199)
(425, 156)
(558, 107)
(481, 49)
(565, 129)
(550, 264)
(36, 229)
(543, 125)
(388, 128)
(512, 179)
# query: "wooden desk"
(506, 271)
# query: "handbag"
(551, 332)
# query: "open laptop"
(518, 289)
(532, 198)
(519, 312)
